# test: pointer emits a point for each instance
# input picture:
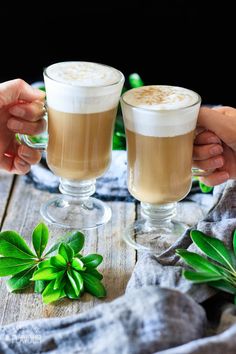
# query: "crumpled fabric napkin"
(161, 312)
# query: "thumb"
(223, 125)
(14, 90)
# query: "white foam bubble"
(82, 87)
(161, 111)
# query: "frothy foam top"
(160, 97)
(160, 111)
(82, 87)
(83, 74)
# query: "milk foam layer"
(83, 74)
(161, 111)
(82, 87)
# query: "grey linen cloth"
(160, 312)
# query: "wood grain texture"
(119, 259)
(6, 181)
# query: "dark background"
(185, 43)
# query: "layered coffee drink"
(160, 123)
(82, 101)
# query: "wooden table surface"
(19, 210)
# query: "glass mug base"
(153, 239)
(157, 230)
(68, 212)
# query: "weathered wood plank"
(119, 259)
(6, 181)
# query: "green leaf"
(40, 238)
(95, 273)
(45, 274)
(44, 264)
(93, 286)
(20, 280)
(60, 281)
(73, 283)
(92, 260)
(135, 80)
(204, 188)
(78, 279)
(74, 239)
(77, 264)
(212, 247)
(224, 286)
(58, 261)
(12, 266)
(39, 286)
(118, 142)
(198, 262)
(200, 277)
(66, 252)
(12, 244)
(70, 292)
(234, 242)
(50, 294)
(53, 248)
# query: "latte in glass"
(160, 122)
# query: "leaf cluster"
(218, 270)
(60, 272)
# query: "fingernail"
(216, 150)
(213, 140)
(14, 124)
(17, 111)
(218, 162)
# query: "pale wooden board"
(6, 181)
(119, 259)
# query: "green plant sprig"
(65, 274)
(219, 270)
(204, 188)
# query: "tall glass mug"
(160, 124)
(82, 100)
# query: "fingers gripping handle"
(24, 139)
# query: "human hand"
(21, 111)
(215, 146)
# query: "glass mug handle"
(197, 172)
(24, 139)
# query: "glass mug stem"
(157, 215)
(80, 189)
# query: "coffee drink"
(86, 148)
(82, 101)
(160, 123)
